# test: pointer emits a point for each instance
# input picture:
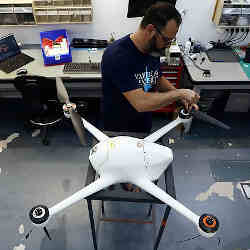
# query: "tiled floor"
(31, 174)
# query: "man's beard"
(153, 50)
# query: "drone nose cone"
(208, 224)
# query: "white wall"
(197, 21)
(110, 16)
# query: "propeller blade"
(207, 118)
(61, 91)
(78, 126)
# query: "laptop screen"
(8, 47)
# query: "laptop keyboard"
(82, 68)
(15, 62)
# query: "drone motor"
(39, 214)
(208, 224)
(183, 114)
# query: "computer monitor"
(8, 47)
(138, 8)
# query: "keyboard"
(82, 68)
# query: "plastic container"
(55, 47)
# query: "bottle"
(188, 46)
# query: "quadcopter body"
(127, 159)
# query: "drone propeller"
(200, 115)
(70, 108)
(77, 124)
(62, 93)
(207, 118)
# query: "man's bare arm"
(165, 85)
(150, 101)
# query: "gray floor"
(34, 174)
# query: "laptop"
(11, 57)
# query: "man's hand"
(189, 107)
(189, 95)
(189, 98)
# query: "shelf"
(28, 12)
(64, 3)
(16, 2)
(16, 12)
(62, 11)
(231, 15)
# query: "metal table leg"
(92, 223)
(162, 227)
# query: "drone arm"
(151, 188)
(162, 131)
(94, 187)
(100, 136)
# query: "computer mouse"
(21, 72)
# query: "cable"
(234, 40)
(206, 72)
(197, 66)
(241, 40)
(230, 37)
(198, 235)
(194, 237)
(226, 36)
(222, 44)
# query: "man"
(133, 85)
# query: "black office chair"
(43, 109)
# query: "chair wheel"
(45, 142)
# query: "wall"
(110, 16)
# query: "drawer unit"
(173, 74)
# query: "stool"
(122, 195)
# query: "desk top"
(222, 72)
(37, 66)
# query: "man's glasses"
(165, 38)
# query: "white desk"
(82, 85)
(224, 76)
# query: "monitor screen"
(137, 8)
(8, 47)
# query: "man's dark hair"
(159, 14)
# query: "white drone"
(125, 159)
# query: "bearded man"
(133, 85)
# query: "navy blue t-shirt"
(125, 68)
